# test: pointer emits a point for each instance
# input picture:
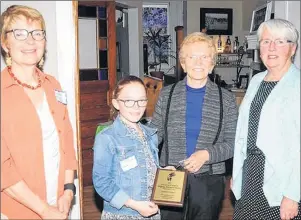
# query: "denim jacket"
(114, 182)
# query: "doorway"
(97, 74)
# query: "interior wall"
(66, 62)
(294, 17)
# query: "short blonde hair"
(15, 11)
(197, 37)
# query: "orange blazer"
(21, 143)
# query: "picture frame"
(259, 15)
(217, 21)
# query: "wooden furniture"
(153, 88)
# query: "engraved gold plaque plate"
(169, 187)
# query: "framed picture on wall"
(260, 14)
(217, 21)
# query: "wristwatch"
(70, 186)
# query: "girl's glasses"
(131, 103)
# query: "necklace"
(24, 84)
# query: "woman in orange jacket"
(37, 152)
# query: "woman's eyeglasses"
(131, 103)
(277, 42)
(22, 34)
(194, 58)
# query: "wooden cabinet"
(96, 83)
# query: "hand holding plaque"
(169, 187)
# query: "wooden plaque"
(169, 188)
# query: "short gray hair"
(279, 27)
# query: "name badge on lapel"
(61, 96)
(128, 163)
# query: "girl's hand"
(145, 208)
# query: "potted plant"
(160, 50)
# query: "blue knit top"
(194, 104)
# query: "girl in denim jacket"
(126, 157)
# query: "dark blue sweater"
(194, 106)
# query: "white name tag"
(61, 96)
(128, 163)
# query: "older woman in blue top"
(126, 157)
(266, 166)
